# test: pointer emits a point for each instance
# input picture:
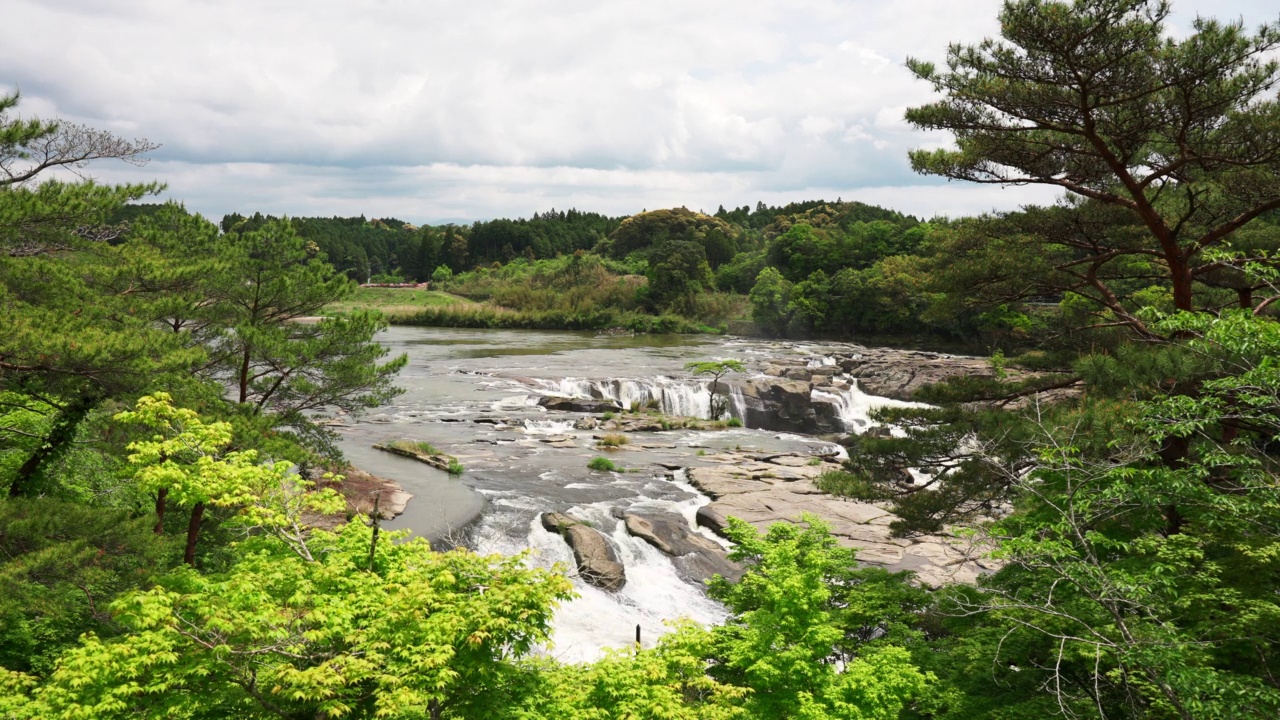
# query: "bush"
(604, 465)
(455, 467)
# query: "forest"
(175, 542)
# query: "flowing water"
(474, 393)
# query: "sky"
(452, 111)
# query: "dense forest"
(163, 543)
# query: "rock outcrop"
(596, 559)
(782, 404)
(763, 490)
(696, 558)
(566, 404)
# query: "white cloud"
(446, 110)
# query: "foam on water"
(548, 427)
(596, 620)
(854, 406)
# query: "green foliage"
(280, 634)
(678, 272)
(612, 440)
(1094, 97)
(799, 608)
(442, 274)
(771, 301)
(717, 369)
(601, 464)
(648, 233)
(455, 467)
(64, 563)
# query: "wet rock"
(564, 404)
(596, 559)
(696, 558)
(586, 423)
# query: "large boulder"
(775, 403)
(696, 557)
(565, 404)
(596, 559)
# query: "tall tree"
(1094, 97)
(73, 335)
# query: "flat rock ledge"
(763, 490)
(900, 374)
(696, 558)
(440, 461)
(596, 559)
(360, 489)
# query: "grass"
(418, 446)
(395, 302)
(455, 467)
(734, 422)
(612, 440)
(604, 465)
(814, 462)
(607, 416)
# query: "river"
(474, 393)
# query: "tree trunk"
(55, 443)
(244, 377)
(1173, 454)
(161, 500)
(1180, 274)
(193, 532)
(1246, 297)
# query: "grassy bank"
(571, 293)
(395, 302)
(484, 315)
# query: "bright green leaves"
(771, 301)
(801, 615)
(281, 636)
(189, 461)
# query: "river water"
(473, 394)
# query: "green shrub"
(613, 440)
(604, 465)
(840, 482)
(455, 467)
(607, 416)
(734, 422)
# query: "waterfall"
(738, 403)
(854, 406)
(686, 398)
(548, 427)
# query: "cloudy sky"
(453, 111)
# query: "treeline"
(389, 250)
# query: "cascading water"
(596, 619)
(854, 406)
(684, 398)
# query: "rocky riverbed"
(526, 412)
